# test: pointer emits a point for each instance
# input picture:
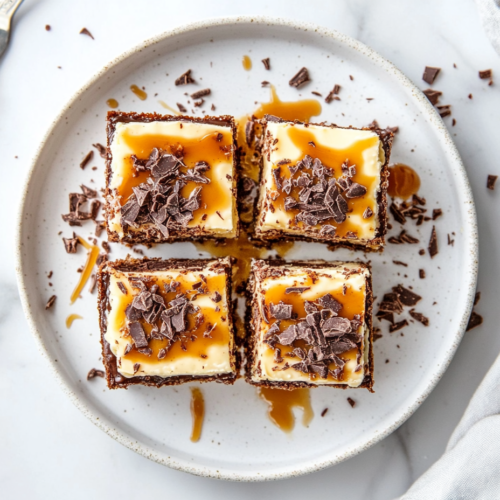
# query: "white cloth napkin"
(489, 11)
(470, 467)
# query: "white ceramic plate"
(238, 440)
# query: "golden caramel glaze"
(87, 269)
(403, 181)
(281, 404)
(139, 92)
(247, 63)
(112, 103)
(197, 413)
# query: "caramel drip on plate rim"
(139, 92)
(281, 404)
(247, 63)
(71, 318)
(197, 413)
(87, 270)
(403, 181)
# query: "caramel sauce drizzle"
(172, 110)
(214, 196)
(353, 302)
(247, 63)
(403, 181)
(197, 413)
(193, 343)
(139, 92)
(112, 103)
(334, 158)
(87, 270)
(281, 404)
(71, 318)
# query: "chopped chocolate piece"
(297, 289)
(396, 212)
(433, 243)
(333, 94)
(474, 320)
(328, 302)
(280, 311)
(351, 402)
(122, 287)
(181, 107)
(421, 274)
(391, 303)
(367, 213)
(407, 297)
(490, 183)
(217, 297)
(93, 283)
(50, 302)
(437, 212)
(324, 412)
(444, 110)
(267, 63)
(101, 149)
(430, 74)
(184, 79)
(137, 333)
(388, 316)
(376, 334)
(85, 31)
(288, 336)
(249, 132)
(433, 95)
(336, 327)
(485, 74)
(419, 317)
(71, 244)
(300, 79)
(477, 298)
(88, 192)
(86, 160)
(94, 372)
(397, 326)
(200, 93)
(400, 263)
(355, 191)
(136, 367)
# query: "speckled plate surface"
(238, 441)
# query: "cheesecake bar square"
(323, 182)
(165, 322)
(310, 324)
(170, 178)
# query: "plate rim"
(470, 253)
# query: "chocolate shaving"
(419, 317)
(300, 79)
(444, 110)
(400, 263)
(249, 132)
(184, 79)
(200, 93)
(85, 31)
(433, 95)
(397, 326)
(267, 63)
(433, 243)
(437, 212)
(87, 159)
(50, 302)
(421, 274)
(367, 213)
(430, 74)
(297, 289)
(94, 372)
(333, 94)
(407, 297)
(101, 150)
(485, 74)
(71, 244)
(490, 183)
(280, 311)
(122, 287)
(137, 333)
(181, 107)
(351, 402)
(474, 320)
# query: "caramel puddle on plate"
(242, 248)
(112, 103)
(71, 318)
(197, 412)
(403, 181)
(247, 63)
(281, 404)
(139, 92)
(87, 270)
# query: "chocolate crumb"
(399, 263)
(397, 326)
(433, 243)
(421, 274)
(444, 110)
(93, 282)
(433, 95)
(200, 93)
(86, 160)
(376, 334)
(94, 372)
(419, 317)
(453, 122)
(430, 74)
(437, 212)
(50, 302)
(351, 78)
(474, 320)
(300, 79)
(100, 149)
(421, 252)
(477, 298)
(351, 402)
(324, 412)
(485, 74)
(122, 287)
(47, 27)
(50, 274)
(470, 96)
(314, 92)
(85, 31)
(267, 63)
(332, 96)
(181, 108)
(71, 244)
(490, 183)
(136, 367)
(184, 79)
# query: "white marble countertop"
(48, 447)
